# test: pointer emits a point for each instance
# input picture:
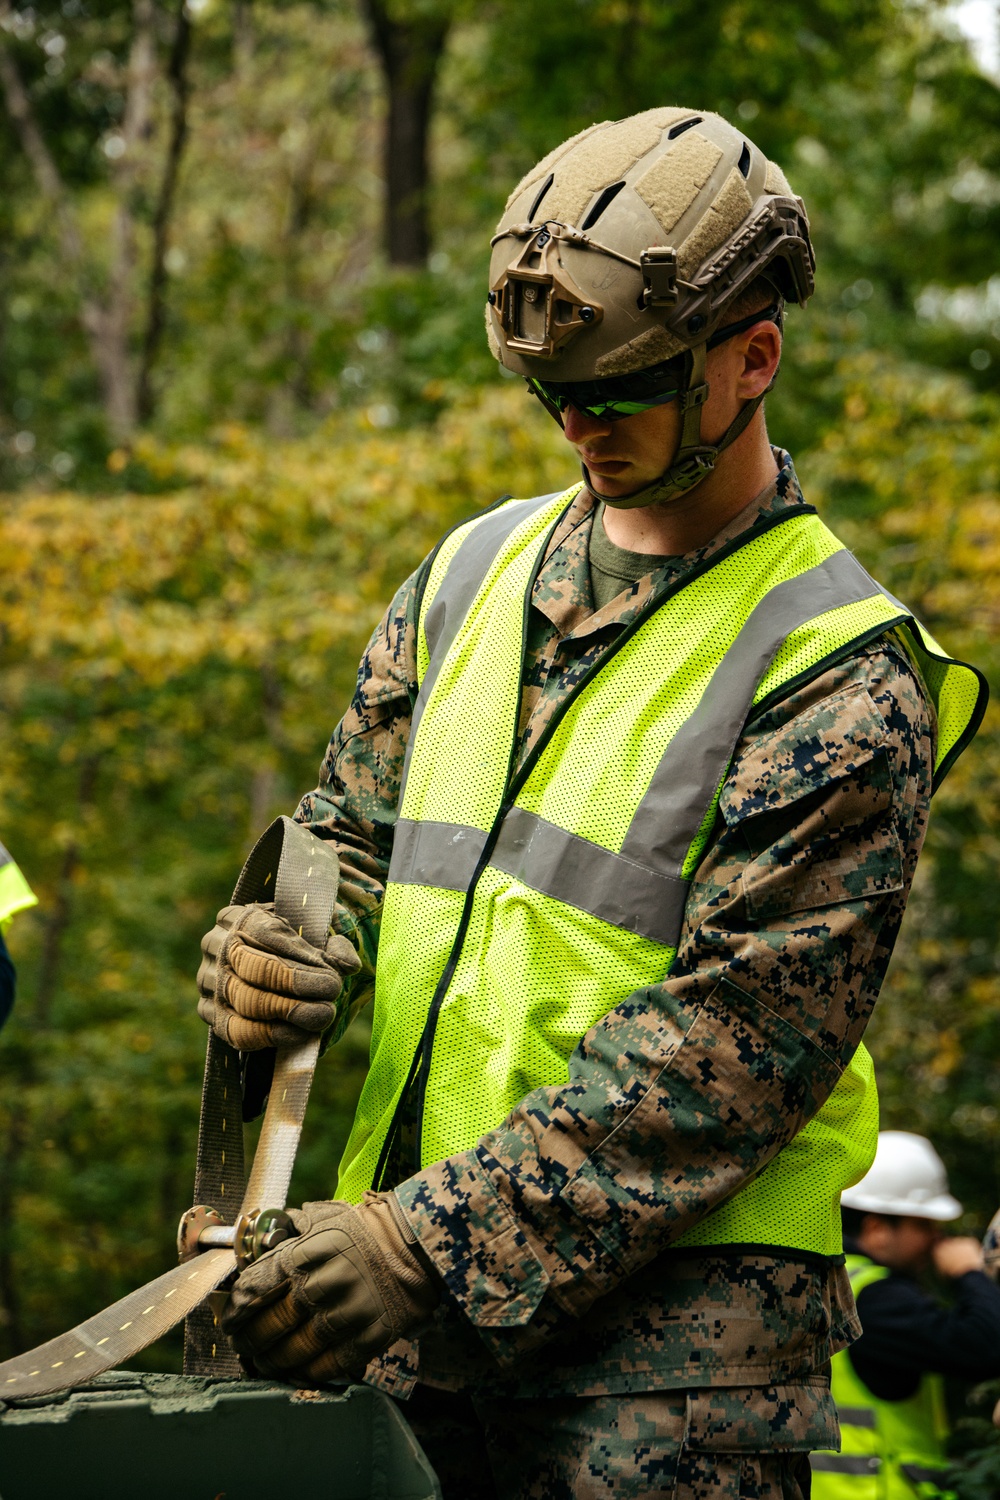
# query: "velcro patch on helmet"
(722, 220)
(649, 348)
(544, 167)
(600, 160)
(491, 337)
(776, 182)
(675, 179)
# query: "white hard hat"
(906, 1177)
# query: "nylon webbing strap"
(302, 872)
(219, 1183)
(299, 873)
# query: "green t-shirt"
(613, 569)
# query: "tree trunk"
(117, 365)
(410, 50)
(107, 312)
(243, 38)
(177, 77)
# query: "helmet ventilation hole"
(744, 161)
(541, 194)
(676, 130)
(595, 213)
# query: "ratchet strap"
(300, 873)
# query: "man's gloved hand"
(262, 985)
(318, 1308)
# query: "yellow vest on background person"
(890, 1450)
(15, 892)
(521, 907)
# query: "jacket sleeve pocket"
(813, 803)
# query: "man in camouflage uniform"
(546, 1346)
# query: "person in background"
(15, 895)
(889, 1386)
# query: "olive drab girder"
(522, 907)
(890, 1450)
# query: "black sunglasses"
(627, 395)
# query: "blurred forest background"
(244, 387)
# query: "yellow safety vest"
(523, 906)
(15, 892)
(890, 1450)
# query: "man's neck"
(677, 526)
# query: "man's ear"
(760, 352)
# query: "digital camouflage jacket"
(687, 1088)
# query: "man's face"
(902, 1244)
(629, 454)
(625, 455)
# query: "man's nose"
(581, 426)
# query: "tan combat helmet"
(618, 258)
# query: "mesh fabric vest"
(522, 906)
(890, 1450)
(15, 892)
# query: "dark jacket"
(908, 1334)
(7, 978)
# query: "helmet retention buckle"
(659, 274)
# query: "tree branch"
(33, 144)
(105, 322)
(119, 380)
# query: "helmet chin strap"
(693, 460)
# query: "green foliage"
(975, 1449)
(279, 310)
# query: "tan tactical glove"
(262, 985)
(318, 1308)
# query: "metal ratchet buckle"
(252, 1236)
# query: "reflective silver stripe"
(466, 571)
(856, 1416)
(595, 880)
(443, 855)
(548, 859)
(5, 858)
(667, 819)
(461, 583)
(844, 1463)
(640, 888)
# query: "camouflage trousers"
(740, 1444)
